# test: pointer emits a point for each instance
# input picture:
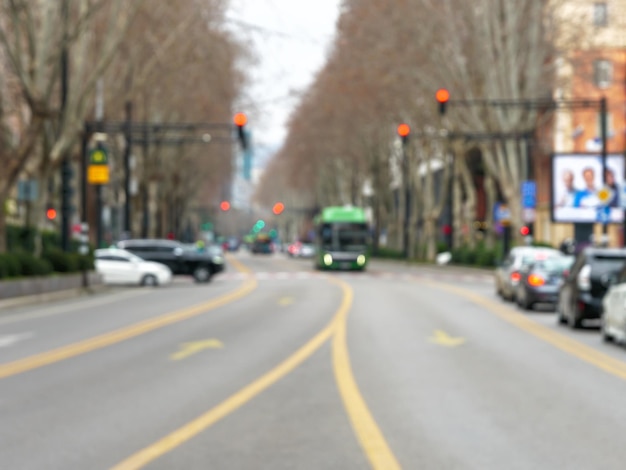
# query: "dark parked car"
(181, 259)
(584, 286)
(540, 281)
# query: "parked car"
(585, 285)
(181, 259)
(541, 280)
(508, 276)
(614, 309)
(307, 250)
(122, 267)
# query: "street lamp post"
(403, 131)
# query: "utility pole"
(127, 150)
(66, 165)
(403, 131)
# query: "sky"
(290, 39)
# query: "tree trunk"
(490, 193)
(3, 224)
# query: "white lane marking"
(10, 340)
(14, 317)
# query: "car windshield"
(556, 264)
(608, 262)
(532, 257)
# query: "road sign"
(99, 156)
(529, 194)
(98, 174)
(529, 215)
(98, 171)
(604, 214)
(605, 195)
(502, 214)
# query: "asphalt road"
(276, 366)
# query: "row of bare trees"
(174, 61)
(387, 61)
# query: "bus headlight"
(360, 260)
(328, 259)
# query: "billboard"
(576, 180)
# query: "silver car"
(508, 273)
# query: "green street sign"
(99, 156)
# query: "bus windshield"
(344, 236)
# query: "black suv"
(179, 258)
(584, 286)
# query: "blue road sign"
(529, 194)
(604, 214)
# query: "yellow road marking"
(364, 426)
(228, 406)
(369, 435)
(444, 339)
(239, 266)
(193, 347)
(285, 301)
(122, 334)
(575, 348)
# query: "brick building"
(590, 68)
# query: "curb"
(451, 268)
(27, 300)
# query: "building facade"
(591, 67)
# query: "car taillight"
(535, 280)
(515, 277)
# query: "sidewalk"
(26, 300)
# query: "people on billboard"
(566, 199)
(611, 183)
(587, 197)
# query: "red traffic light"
(278, 208)
(442, 95)
(240, 119)
(51, 213)
(404, 130)
(224, 205)
(525, 231)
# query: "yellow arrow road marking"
(193, 347)
(107, 339)
(566, 344)
(285, 301)
(444, 339)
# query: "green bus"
(341, 239)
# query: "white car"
(122, 267)
(614, 307)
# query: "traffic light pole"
(407, 200)
(127, 151)
(149, 133)
(545, 104)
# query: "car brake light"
(515, 277)
(536, 280)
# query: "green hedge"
(479, 256)
(20, 262)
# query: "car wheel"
(149, 280)
(606, 336)
(574, 321)
(559, 314)
(202, 274)
(523, 302)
